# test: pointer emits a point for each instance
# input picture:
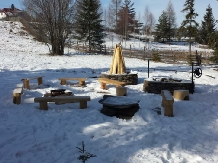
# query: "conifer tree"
(88, 23)
(207, 27)
(189, 25)
(162, 28)
(126, 19)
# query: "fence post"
(130, 51)
(105, 48)
(144, 53)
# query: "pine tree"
(207, 27)
(88, 23)
(126, 19)
(189, 25)
(162, 28)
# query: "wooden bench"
(81, 80)
(26, 83)
(43, 101)
(167, 102)
(105, 81)
(181, 94)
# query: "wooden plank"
(32, 78)
(80, 79)
(110, 81)
(62, 99)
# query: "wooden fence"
(166, 56)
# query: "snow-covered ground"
(28, 134)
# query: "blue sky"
(155, 6)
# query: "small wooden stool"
(121, 91)
(181, 94)
(17, 95)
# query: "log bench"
(81, 80)
(167, 102)
(26, 83)
(105, 81)
(43, 101)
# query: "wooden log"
(167, 103)
(181, 94)
(121, 91)
(26, 84)
(39, 80)
(17, 95)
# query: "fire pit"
(118, 69)
(58, 92)
(166, 83)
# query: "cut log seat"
(26, 83)
(181, 94)
(167, 102)
(17, 95)
(43, 101)
(105, 81)
(81, 80)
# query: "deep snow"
(28, 134)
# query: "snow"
(28, 134)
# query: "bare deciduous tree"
(53, 19)
(149, 21)
(114, 7)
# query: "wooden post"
(121, 91)
(63, 82)
(103, 85)
(83, 104)
(130, 51)
(105, 50)
(43, 105)
(26, 84)
(39, 80)
(16, 98)
(81, 82)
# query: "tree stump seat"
(181, 94)
(105, 81)
(26, 83)
(81, 80)
(43, 101)
(167, 102)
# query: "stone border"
(156, 87)
(129, 79)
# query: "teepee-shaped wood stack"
(118, 64)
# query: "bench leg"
(16, 98)
(168, 108)
(103, 85)
(82, 83)
(83, 104)
(39, 80)
(63, 82)
(43, 106)
(26, 83)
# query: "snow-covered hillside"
(28, 134)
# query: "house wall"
(2, 15)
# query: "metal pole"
(192, 77)
(148, 68)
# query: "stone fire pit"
(156, 84)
